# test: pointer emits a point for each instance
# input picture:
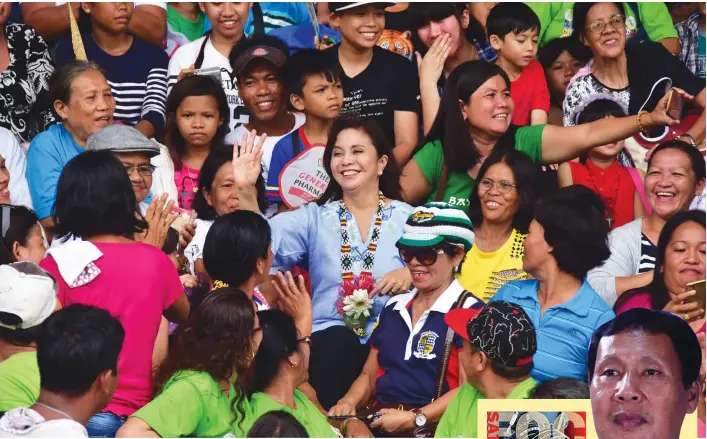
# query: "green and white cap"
(435, 223)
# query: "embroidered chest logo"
(426, 345)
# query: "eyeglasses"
(425, 256)
(144, 170)
(503, 186)
(618, 21)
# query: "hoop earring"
(251, 356)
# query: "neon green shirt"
(19, 381)
(460, 418)
(430, 159)
(307, 413)
(193, 30)
(556, 20)
(192, 404)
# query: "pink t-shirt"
(187, 181)
(136, 284)
(529, 92)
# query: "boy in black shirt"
(377, 84)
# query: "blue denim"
(104, 424)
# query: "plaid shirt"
(485, 50)
(688, 34)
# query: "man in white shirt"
(77, 355)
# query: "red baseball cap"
(458, 319)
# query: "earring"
(250, 356)
(380, 173)
(293, 365)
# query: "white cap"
(28, 292)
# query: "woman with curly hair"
(198, 386)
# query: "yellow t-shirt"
(484, 273)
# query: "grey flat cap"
(121, 138)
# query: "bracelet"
(343, 426)
(691, 140)
(641, 128)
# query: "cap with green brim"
(436, 223)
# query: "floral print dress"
(25, 106)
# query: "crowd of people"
(348, 219)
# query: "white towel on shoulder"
(76, 262)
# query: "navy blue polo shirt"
(409, 358)
(563, 331)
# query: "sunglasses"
(425, 256)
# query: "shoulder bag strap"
(638, 184)
(448, 348)
(443, 183)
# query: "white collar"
(444, 303)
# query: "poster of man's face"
(637, 389)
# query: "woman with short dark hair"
(237, 253)
(84, 102)
(21, 236)
(501, 209)
(135, 282)
(638, 76)
(346, 240)
(217, 196)
(567, 238)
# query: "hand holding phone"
(699, 288)
(674, 105)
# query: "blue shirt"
(48, 153)
(410, 358)
(279, 14)
(563, 332)
(301, 36)
(311, 238)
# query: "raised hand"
(246, 159)
(430, 67)
(159, 219)
(294, 300)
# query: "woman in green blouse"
(475, 116)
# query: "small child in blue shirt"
(296, 174)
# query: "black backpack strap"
(448, 347)
(200, 57)
(295, 144)
(258, 22)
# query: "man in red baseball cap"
(497, 356)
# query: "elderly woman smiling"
(84, 102)
(408, 344)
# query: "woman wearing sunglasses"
(648, 67)
(501, 209)
(410, 341)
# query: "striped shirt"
(649, 252)
(563, 331)
(138, 79)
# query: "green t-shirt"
(307, 413)
(192, 404)
(430, 159)
(460, 418)
(556, 20)
(19, 381)
(193, 30)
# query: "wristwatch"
(420, 418)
